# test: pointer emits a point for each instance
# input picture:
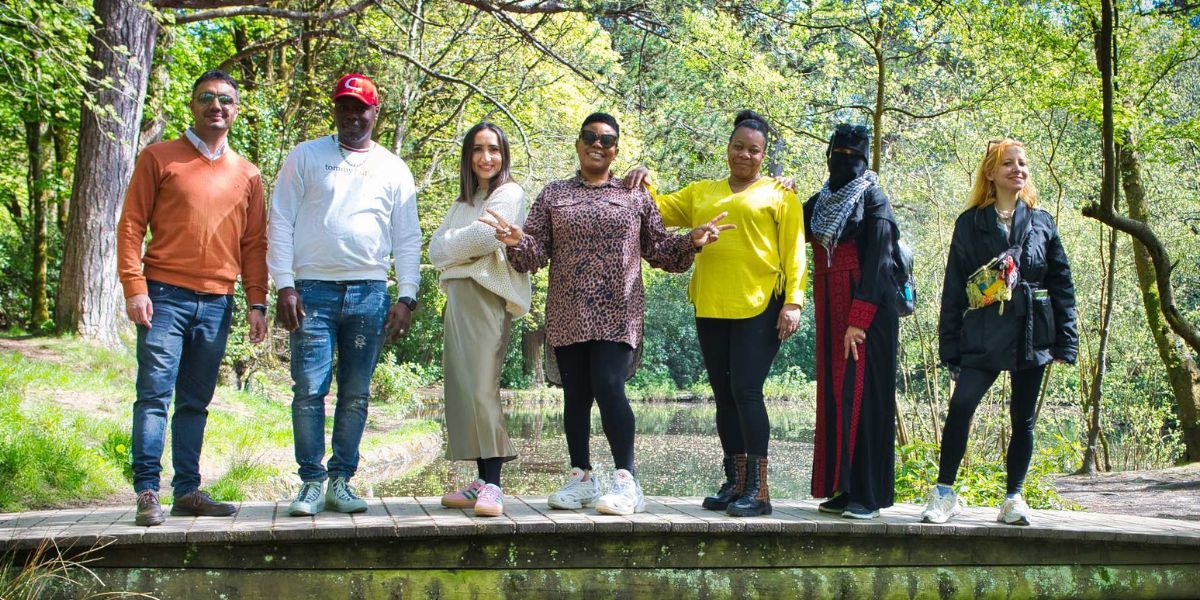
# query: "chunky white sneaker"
(576, 493)
(940, 508)
(624, 498)
(1014, 511)
(309, 501)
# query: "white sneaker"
(624, 498)
(577, 493)
(939, 508)
(1014, 511)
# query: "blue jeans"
(179, 354)
(348, 316)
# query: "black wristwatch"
(262, 308)
(411, 303)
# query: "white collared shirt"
(202, 147)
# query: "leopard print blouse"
(594, 237)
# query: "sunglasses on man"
(589, 137)
(206, 98)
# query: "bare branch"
(267, 11)
(459, 81)
(267, 46)
(528, 7)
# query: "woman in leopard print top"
(593, 232)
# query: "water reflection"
(676, 448)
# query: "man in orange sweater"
(204, 207)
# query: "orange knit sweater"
(207, 223)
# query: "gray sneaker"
(339, 497)
(309, 501)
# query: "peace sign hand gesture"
(505, 232)
(710, 231)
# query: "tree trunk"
(877, 114)
(1090, 453)
(153, 122)
(89, 301)
(1103, 211)
(532, 342)
(1182, 371)
(37, 143)
(62, 166)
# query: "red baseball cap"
(359, 86)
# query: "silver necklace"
(346, 157)
(1005, 216)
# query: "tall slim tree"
(122, 47)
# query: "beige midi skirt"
(476, 336)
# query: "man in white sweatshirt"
(341, 206)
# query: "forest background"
(1106, 98)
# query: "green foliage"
(983, 476)
(117, 448)
(395, 383)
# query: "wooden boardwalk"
(425, 517)
(414, 548)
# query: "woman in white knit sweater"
(483, 294)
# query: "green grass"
(52, 454)
(47, 455)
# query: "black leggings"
(489, 469)
(972, 385)
(590, 371)
(737, 355)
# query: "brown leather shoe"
(149, 511)
(199, 504)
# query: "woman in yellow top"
(747, 291)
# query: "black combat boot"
(756, 498)
(735, 482)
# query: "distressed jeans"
(178, 355)
(347, 316)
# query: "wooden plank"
(565, 521)
(254, 522)
(409, 517)
(449, 521)
(375, 522)
(681, 522)
(330, 525)
(525, 517)
(285, 527)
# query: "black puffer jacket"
(1037, 325)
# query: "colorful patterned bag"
(992, 282)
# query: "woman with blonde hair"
(1008, 304)
(483, 295)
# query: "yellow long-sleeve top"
(736, 277)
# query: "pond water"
(676, 451)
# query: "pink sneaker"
(490, 502)
(464, 498)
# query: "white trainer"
(940, 508)
(1014, 511)
(624, 498)
(576, 493)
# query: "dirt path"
(1169, 493)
